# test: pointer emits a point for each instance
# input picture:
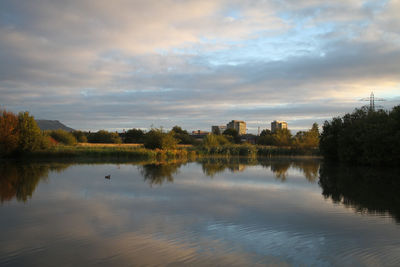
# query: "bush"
(182, 136)
(104, 137)
(214, 140)
(134, 136)
(80, 136)
(63, 137)
(156, 138)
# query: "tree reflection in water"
(212, 166)
(280, 167)
(160, 172)
(20, 180)
(365, 189)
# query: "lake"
(212, 212)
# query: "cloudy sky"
(100, 64)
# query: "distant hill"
(52, 125)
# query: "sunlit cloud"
(97, 64)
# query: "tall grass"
(140, 153)
(69, 152)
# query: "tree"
(182, 136)
(363, 137)
(134, 136)
(216, 131)
(214, 140)
(9, 132)
(104, 137)
(265, 132)
(266, 138)
(233, 134)
(63, 137)
(31, 137)
(80, 136)
(157, 139)
(282, 137)
(308, 139)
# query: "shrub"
(213, 140)
(134, 136)
(63, 137)
(156, 138)
(80, 136)
(104, 137)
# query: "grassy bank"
(135, 152)
(104, 152)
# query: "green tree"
(266, 138)
(80, 136)
(282, 137)
(182, 136)
(134, 136)
(307, 139)
(232, 134)
(157, 139)
(265, 132)
(216, 131)
(104, 137)
(363, 137)
(31, 137)
(214, 140)
(63, 137)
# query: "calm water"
(208, 213)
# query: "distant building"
(278, 125)
(239, 126)
(218, 128)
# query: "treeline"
(365, 137)
(152, 139)
(20, 134)
(280, 138)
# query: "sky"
(114, 65)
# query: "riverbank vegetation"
(20, 137)
(366, 137)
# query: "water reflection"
(159, 172)
(213, 166)
(252, 212)
(368, 190)
(365, 189)
(280, 167)
(20, 180)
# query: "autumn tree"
(9, 133)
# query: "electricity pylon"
(372, 100)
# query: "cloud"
(97, 64)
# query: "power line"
(372, 100)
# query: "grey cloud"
(94, 64)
